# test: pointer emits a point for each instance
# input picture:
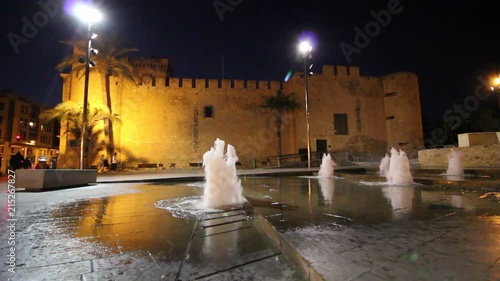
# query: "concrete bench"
(200, 164)
(196, 165)
(49, 179)
(150, 166)
(146, 166)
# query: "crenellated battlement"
(197, 83)
(340, 70)
(150, 67)
(181, 117)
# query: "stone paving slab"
(231, 246)
(221, 221)
(133, 266)
(270, 269)
(224, 228)
(50, 272)
(224, 214)
(454, 248)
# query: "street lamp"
(305, 49)
(496, 88)
(90, 16)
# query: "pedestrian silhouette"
(16, 161)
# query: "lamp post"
(496, 88)
(90, 16)
(305, 49)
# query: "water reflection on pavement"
(345, 229)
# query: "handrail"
(300, 158)
(290, 159)
(344, 155)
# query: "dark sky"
(448, 44)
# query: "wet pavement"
(114, 231)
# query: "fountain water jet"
(327, 166)
(399, 168)
(222, 185)
(455, 166)
(455, 171)
(384, 165)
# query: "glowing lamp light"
(496, 81)
(87, 14)
(305, 47)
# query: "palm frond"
(280, 102)
(123, 51)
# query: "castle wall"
(163, 121)
(340, 90)
(166, 124)
(403, 112)
(73, 90)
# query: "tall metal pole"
(498, 93)
(306, 90)
(497, 86)
(85, 99)
(498, 90)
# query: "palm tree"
(279, 104)
(110, 61)
(70, 113)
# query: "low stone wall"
(473, 139)
(474, 156)
(49, 179)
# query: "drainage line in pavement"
(227, 231)
(223, 223)
(239, 214)
(239, 265)
(187, 251)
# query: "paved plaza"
(114, 231)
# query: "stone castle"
(172, 120)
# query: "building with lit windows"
(21, 131)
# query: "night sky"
(449, 45)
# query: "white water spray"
(384, 165)
(222, 185)
(455, 166)
(399, 169)
(327, 166)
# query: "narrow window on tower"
(208, 111)
(340, 124)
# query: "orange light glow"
(496, 81)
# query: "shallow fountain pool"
(350, 227)
(289, 203)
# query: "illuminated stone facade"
(170, 120)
